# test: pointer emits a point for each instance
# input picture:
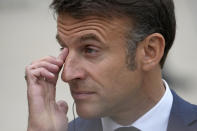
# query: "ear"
(153, 49)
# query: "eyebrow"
(89, 37)
(81, 39)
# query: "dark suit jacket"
(183, 117)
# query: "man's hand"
(44, 113)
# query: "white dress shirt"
(156, 119)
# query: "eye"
(90, 50)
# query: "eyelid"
(61, 48)
(91, 51)
(92, 47)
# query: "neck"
(147, 96)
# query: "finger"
(63, 106)
(29, 77)
(45, 64)
(49, 59)
(62, 56)
(43, 73)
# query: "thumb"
(63, 106)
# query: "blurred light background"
(27, 33)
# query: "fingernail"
(51, 74)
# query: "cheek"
(113, 76)
(105, 75)
(108, 77)
(118, 80)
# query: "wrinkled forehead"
(110, 23)
(68, 23)
(70, 29)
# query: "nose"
(72, 69)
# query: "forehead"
(68, 20)
(103, 27)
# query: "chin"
(88, 112)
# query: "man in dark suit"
(113, 52)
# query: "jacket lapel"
(182, 116)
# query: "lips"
(81, 95)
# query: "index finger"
(62, 56)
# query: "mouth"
(82, 95)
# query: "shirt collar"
(150, 120)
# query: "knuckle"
(28, 68)
(30, 73)
(43, 70)
(43, 63)
(52, 57)
(33, 62)
(32, 67)
(48, 58)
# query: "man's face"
(95, 68)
